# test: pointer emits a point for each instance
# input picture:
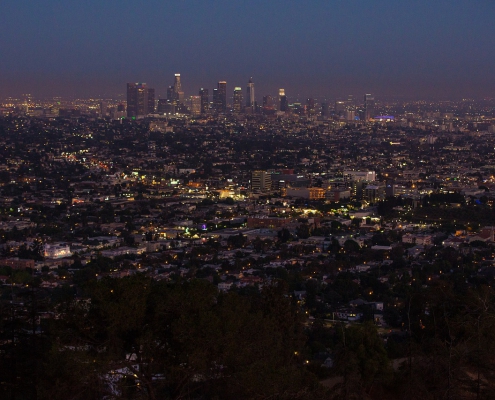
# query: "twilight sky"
(321, 48)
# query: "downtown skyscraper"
(237, 102)
(205, 101)
(220, 97)
(369, 106)
(282, 100)
(140, 100)
(178, 93)
(250, 100)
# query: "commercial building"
(237, 100)
(57, 250)
(250, 100)
(260, 180)
(195, 105)
(17, 263)
(311, 193)
(352, 176)
(369, 106)
(263, 221)
(140, 100)
(220, 97)
(205, 101)
(282, 101)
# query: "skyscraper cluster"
(141, 102)
(350, 111)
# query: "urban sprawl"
(362, 210)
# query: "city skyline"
(330, 49)
(247, 200)
(169, 93)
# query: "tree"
(144, 330)
(351, 246)
(361, 359)
(284, 235)
(303, 231)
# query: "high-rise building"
(140, 100)
(237, 100)
(162, 106)
(310, 106)
(350, 114)
(170, 94)
(369, 106)
(177, 84)
(103, 108)
(267, 101)
(261, 180)
(174, 93)
(205, 101)
(216, 102)
(165, 107)
(180, 97)
(282, 100)
(250, 100)
(324, 109)
(268, 105)
(151, 101)
(195, 105)
(340, 107)
(221, 103)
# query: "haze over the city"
(419, 49)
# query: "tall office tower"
(216, 102)
(237, 100)
(268, 105)
(195, 105)
(151, 101)
(177, 86)
(205, 101)
(350, 114)
(27, 100)
(282, 100)
(324, 109)
(267, 101)
(350, 100)
(170, 94)
(103, 108)
(250, 101)
(161, 108)
(340, 107)
(180, 97)
(221, 105)
(165, 107)
(261, 180)
(369, 106)
(140, 99)
(310, 106)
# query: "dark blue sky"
(418, 48)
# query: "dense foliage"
(139, 338)
(136, 338)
